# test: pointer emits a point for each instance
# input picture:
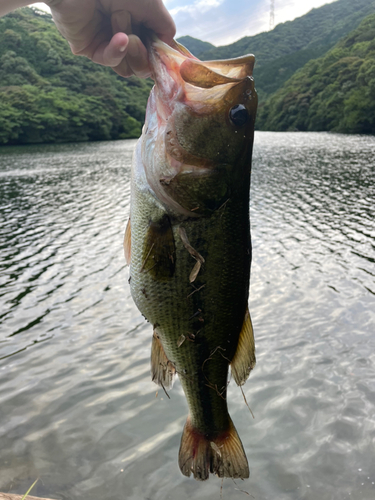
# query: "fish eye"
(238, 115)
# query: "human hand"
(106, 31)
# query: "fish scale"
(220, 238)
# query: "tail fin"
(222, 455)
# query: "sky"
(222, 22)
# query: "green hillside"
(335, 92)
(196, 46)
(289, 46)
(49, 95)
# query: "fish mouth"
(202, 85)
(199, 126)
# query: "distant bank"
(314, 73)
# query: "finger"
(137, 57)
(112, 53)
(123, 69)
(136, 60)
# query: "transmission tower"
(272, 15)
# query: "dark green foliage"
(49, 95)
(270, 77)
(335, 92)
(196, 47)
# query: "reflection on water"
(77, 406)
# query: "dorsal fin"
(244, 359)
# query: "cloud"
(218, 21)
(196, 8)
(290, 9)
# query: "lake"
(77, 406)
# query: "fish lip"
(179, 75)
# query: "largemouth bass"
(188, 243)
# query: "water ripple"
(77, 407)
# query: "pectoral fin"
(127, 243)
(162, 370)
(244, 359)
(159, 250)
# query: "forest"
(335, 92)
(49, 95)
(313, 73)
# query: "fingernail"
(124, 45)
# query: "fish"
(188, 243)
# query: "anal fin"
(222, 455)
(162, 370)
(127, 243)
(244, 359)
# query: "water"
(77, 406)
